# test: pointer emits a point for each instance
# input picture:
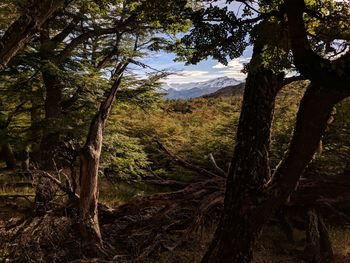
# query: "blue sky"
(205, 70)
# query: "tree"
(76, 52)
(19, 33)
(59, 47)
(90, 153)
(249, 169)
(89, 166)
(251, 194)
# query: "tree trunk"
(236, 234)
(248, 202)
(36, 128)
(241, 225)
(9, 156)
(49, 146)
(318, 248)
(89, 158)
(19, 33)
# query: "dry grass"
(340, 240)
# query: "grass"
(121, 192)
(340, 239)
(8, 180)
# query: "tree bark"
(248, 202)
(50, 142)
(9, 156)
(236, 234)
(318, 248)
(19, 33)
(321, 71)
(89, 165)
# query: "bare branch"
(184, 163)
(217, 168)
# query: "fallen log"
(6, 197)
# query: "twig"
(217, 168)
(185, 163)
(59, 184)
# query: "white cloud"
(192, 76)
(234, 68)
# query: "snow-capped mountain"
(197, 89)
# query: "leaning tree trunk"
(19, 33)
(248, 205)
(244, 222)
(236, 235)
(89, 165)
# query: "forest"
(97, 165)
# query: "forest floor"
(16, 201)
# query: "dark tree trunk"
(49, 146)
(248, 202)
(312, 249)
(19, 33)
(36, 127)
(236, 234)
(241, 225)
(89, 165)
(9, 156)
(318, 248)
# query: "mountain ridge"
(235, 90)
(197, 89)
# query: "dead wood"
(185, 163)
(27, 197)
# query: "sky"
(204, 70)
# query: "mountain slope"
(197, 89)
(236, 90)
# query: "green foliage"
(8, 14)
(190, 129)
(123, 156)
(272, 36)
(335, 150)
(286, 108)
(77, 60)
(216, 32)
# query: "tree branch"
(19, 33)
(319, 70)
(217, 168)
(184, 163)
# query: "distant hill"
(197, 89)
(236, 90)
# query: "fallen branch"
(25, 196)
(65, 189)
(165, 182)
(184, 163)
(217, 168)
